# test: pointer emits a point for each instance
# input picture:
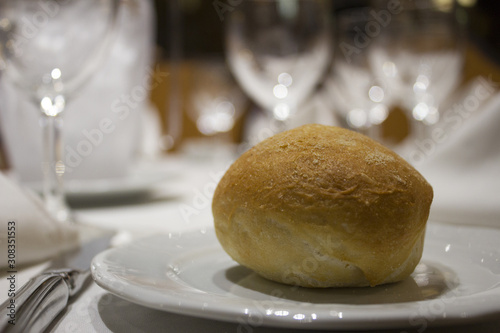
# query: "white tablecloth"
(96, 310)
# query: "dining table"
(166, 200)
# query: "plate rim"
(136, 181)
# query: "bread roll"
(321, 206)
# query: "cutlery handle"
(37, 303)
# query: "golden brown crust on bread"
(345, 210)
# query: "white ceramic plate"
(458, 280)
(137, 182)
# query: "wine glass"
(424, 49)
(395, 65)
(48, 51)
(278, 51)
(360, 95)
(215, 104)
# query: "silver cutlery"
(42, 298)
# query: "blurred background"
(186, 86)
(200, 105)
(193, 31)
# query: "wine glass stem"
(53, 167)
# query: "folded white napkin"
(461, 158)
(28, 233)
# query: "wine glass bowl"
(215, 102)
(49, 50)
(278, 51)
(53, 50)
